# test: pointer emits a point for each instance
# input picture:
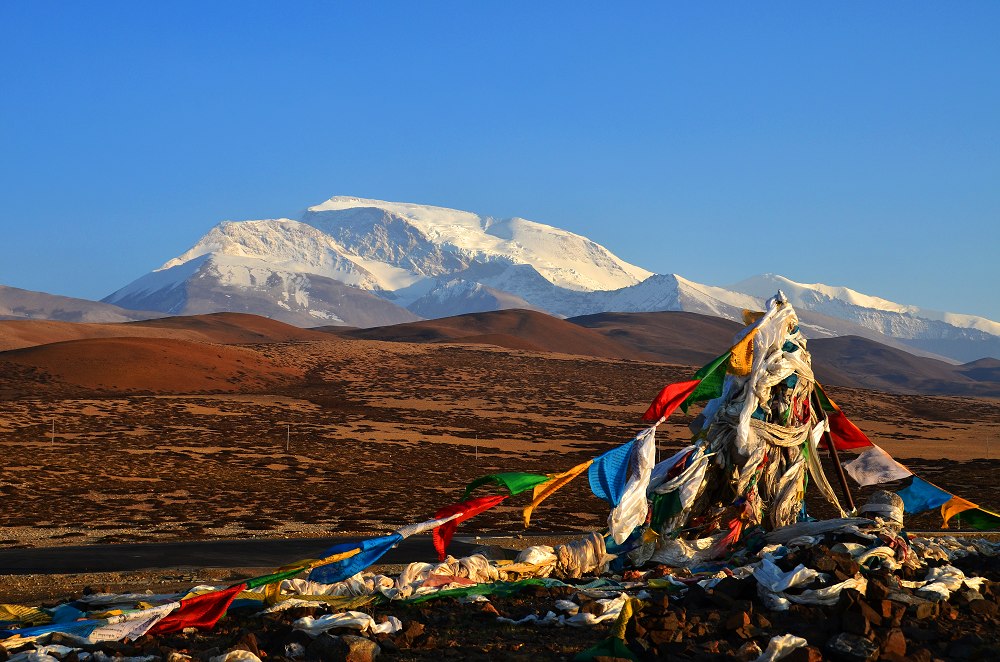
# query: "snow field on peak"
(826, 298)
(566, 259)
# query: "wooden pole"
(834, 456)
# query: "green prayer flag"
(665, 506)
(273, 577)
(824, 402)
(612, 647)
(515, 482)
(982, 520)
(502, 589)
(712, 377)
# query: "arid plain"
(233, 426)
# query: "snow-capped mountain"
(961, 337)
(366, 262)
(389, 255)
(433, 241)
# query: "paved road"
(202, 554)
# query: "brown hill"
(224, 328)
(862, 363)
(670, 337)
(16, 303)
(158, 365)
(693, 339)
(514, 328)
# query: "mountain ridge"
(364, 262)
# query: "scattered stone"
(360, 649)
(894, 643)
(805, 654)
(737, 620)
(983, 607)
(855, 622)
(924, 610)
(749, 651)
(852, 648)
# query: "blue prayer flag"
(609, 473)
(921, 496)
(77, 628)
(372, 550)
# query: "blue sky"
(853, 144)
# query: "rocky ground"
(727, 621)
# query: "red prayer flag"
(844, 433)
(669, 399)
(443, 534)
(201, 611)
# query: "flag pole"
(833, 453)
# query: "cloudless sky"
(853, 144)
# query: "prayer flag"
(921, 496)
(369, 551)
(712, 377)
(980, 519)
(547, 489)
(669, 399)
(201, 611)
(843, 432)
(515, 482)
(665, 506)
(274, 577)
(953, 507)
(132, 625)
(632, 507)
(470, 508)
(608, 473)
(423, 527)
(875, 466)
(741, 356)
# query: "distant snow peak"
(438, 241)
(367, 262)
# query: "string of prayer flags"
(548, 488)
(466, 509)
(874, 467)
(515, 482)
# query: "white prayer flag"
(875, 466)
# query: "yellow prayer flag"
(953, 507)
(548, 488)
(741, 356)
(618, 629)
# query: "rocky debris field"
(938, 605)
